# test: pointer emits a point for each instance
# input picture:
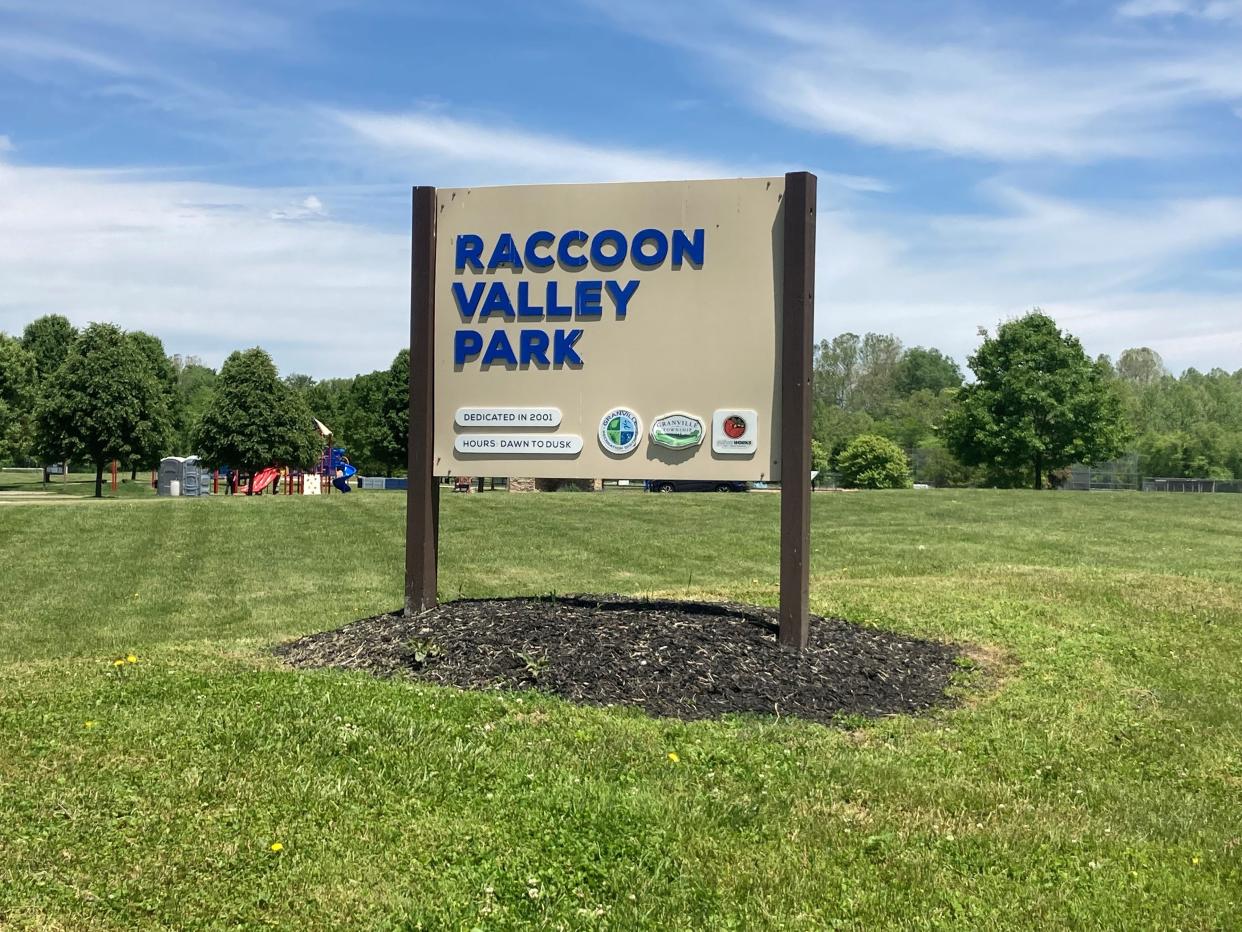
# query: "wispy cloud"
(1211, 10)
(220, 24)
(1117, 275)
(512, 154)
(19, 47)
(458, 151)
(987, 90)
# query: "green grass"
(79, 485)
(1092, 778)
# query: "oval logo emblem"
(677, 431)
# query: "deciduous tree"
(48, 339)
(102, 403)
(1038, 404)
(17, 395)
(254, 420)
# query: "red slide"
(262, 480)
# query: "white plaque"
(735, 431)
(518, 444)
(507, 417)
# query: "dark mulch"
(685, 660)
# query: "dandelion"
(277, 846)
(118, 662)
(1194, 860)
(672, 755)
(131, 659)
(88, 724)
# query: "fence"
(1184, 484)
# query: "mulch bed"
(687, 660)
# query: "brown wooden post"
(422, 496)
(797, 329)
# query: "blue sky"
(231, 173)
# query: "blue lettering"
(685, 248)
(467, 306)
(563, 352)
(469, 251)
(621, 295)
(525, 308)
(497, 302)
(533, 242)
(586, 299)
(649, 260)
(505, 254)
(499, 348)
(557, 311)
(572, 238)
(534, 347)
(466, 345)
(602, 239)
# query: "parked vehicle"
(693, 485)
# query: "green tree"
(162, 423)
(1038, 404)
(48, 339)
(876, 386)
(254, 420)
(926, 370)
(819, 456)
(101, 404)
(194, 386)
(1141, 366)
(872, 462)
(17, 395)
(393, 450)
(836, 370)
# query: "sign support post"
(422, 497)
(797, 328)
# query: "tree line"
(103, 394)
(1036, 405)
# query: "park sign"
(618, 331)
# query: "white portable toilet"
(170, 476)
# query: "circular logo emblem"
(734, 427)
(620, 431)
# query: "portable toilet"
(192, 477)
(171, 472)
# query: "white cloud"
(206, 267)
(979, 89)
(308, 209)
(211, 268)
(17, 47)
(1102, 272)
(455, 151)
(515, 155)
(220, 24)
(1211, 10)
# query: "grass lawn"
(23, 482)
(1094, 780)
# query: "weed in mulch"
(687, 660)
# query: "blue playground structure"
(336, 466)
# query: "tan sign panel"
(620, 331)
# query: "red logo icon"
(734, 426)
